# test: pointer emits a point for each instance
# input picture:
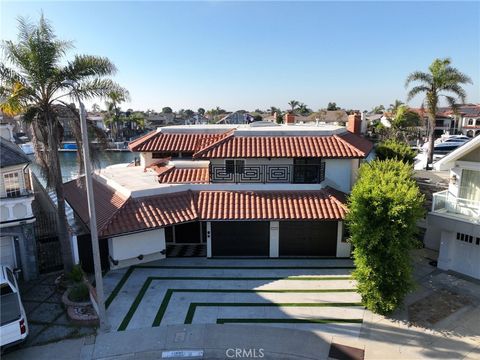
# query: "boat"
(27, 148)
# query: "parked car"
(14, 327)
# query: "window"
(10, 276)
(470, 185)
(234, 166)
(308, 170)
(12, 184)
(471, 122)
(468, 238)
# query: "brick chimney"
(354, 124)
(289, 119)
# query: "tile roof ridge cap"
(115, 214)
(347, 143)
(228, 135)
(334, 193)
(138, 141)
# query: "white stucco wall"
(338, 174)
(127, 248)
(146, 159)
(343, 248)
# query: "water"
(69, 162)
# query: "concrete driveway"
(316, 295)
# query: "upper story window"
(234, 166)
(308, 170)
(471, 122)
(12, 184)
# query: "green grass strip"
(294, 278)
(134, 306)
(130, 270)
(119, 286)
(170, 292)
(287, 321)
(193, 306)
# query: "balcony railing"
(263, 174)
(446, 203)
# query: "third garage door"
(240, 238)
(308, 238)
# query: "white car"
(14, 327)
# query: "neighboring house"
(17, 240)
(228, 191)
(98, 120)
(456, 211)
(465, 120)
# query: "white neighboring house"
(456, 211)
(17, 240)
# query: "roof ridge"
(351, 146)
(228, 135)
(114, 215)
(138, 141)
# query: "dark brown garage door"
(308, 238)
(240, 238)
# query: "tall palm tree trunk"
(431, 121)
(56, 171)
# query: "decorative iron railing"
(287, 174)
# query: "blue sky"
(247, 55)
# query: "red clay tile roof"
(185, 175)
(153, 212)
(173, 175)
(270, 205)
(336, 146)
(173, 142)
(107, 201)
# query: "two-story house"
(257, 190)
(456, 211)
(17, 239)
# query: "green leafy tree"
(35, 84)
(378, 109)
(167, 110)
(201, 111)
(332, 106)
(441, 80)
(189, 113)
(395, 106)
(405, 118)
(396, 150)
(384, 207)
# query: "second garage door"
(240, 238)
(308, 238)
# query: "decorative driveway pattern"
(302, 294)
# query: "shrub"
(391, 149)
(76, 275)
(384, 207)
(79, 292)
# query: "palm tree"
(293, 104)
(393, 108)
(303, 109)
(113, 118)
(442, 80)
(35, 84)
